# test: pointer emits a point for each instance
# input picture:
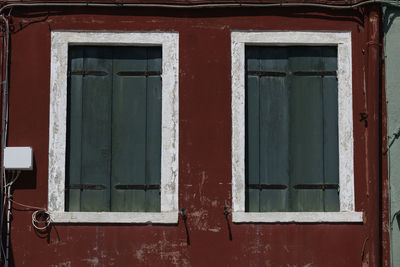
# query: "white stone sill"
(297, 217)
(115, 217)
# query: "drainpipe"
(371, 133)
(4, 125)
(215, 4)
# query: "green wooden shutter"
(136, 129)
(114, 133)
(331, 129)
(252, 130)
(153, 128)
(273, 133)
(291, 129)
(129, 129)
(74, 131)
(92, 88)
(267, 129)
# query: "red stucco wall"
(205, 150)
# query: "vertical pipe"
(6, 260)
(383, 168)
(4, 116)
(372, 137)
(4, 122)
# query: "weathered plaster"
(305, 217)
(345, 122)
(120, 217)
(170, 115)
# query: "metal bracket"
(144, 187)
(226, 213)
(86, 186)
(184, 218)
(364, 117)
(183, 213)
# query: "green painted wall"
(391, 30)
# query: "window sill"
(297, 217)
(115, 217)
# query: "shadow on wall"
(27, 179)
(389, 17)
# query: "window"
(292, 129)
(113, 152)
(113, 129)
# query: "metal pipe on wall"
(4, 125)
(371, 133)
(197, 6)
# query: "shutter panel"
(274, 123)
(129, 128)
(96, 128)
(136, 129)
(274, 149)
(306, 131)
(331, 139)
(74, 129)
(267, 129)
(306, 139)
(331, 143)
(314, 143)
(253, 137)
(90, 118)
(252, 129)
(153, 129)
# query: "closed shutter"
(114, 129)
(89, 133)
(136, 129)
(291, 129)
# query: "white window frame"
(239, 39)
(60, 40)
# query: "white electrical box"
(18, 158)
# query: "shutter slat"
(74, 132)
(129, 141)
(331, 143)
(153, 141)
(252, 129)
(153, 145)
(306, 141)
(252, 146)
(274, 148)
